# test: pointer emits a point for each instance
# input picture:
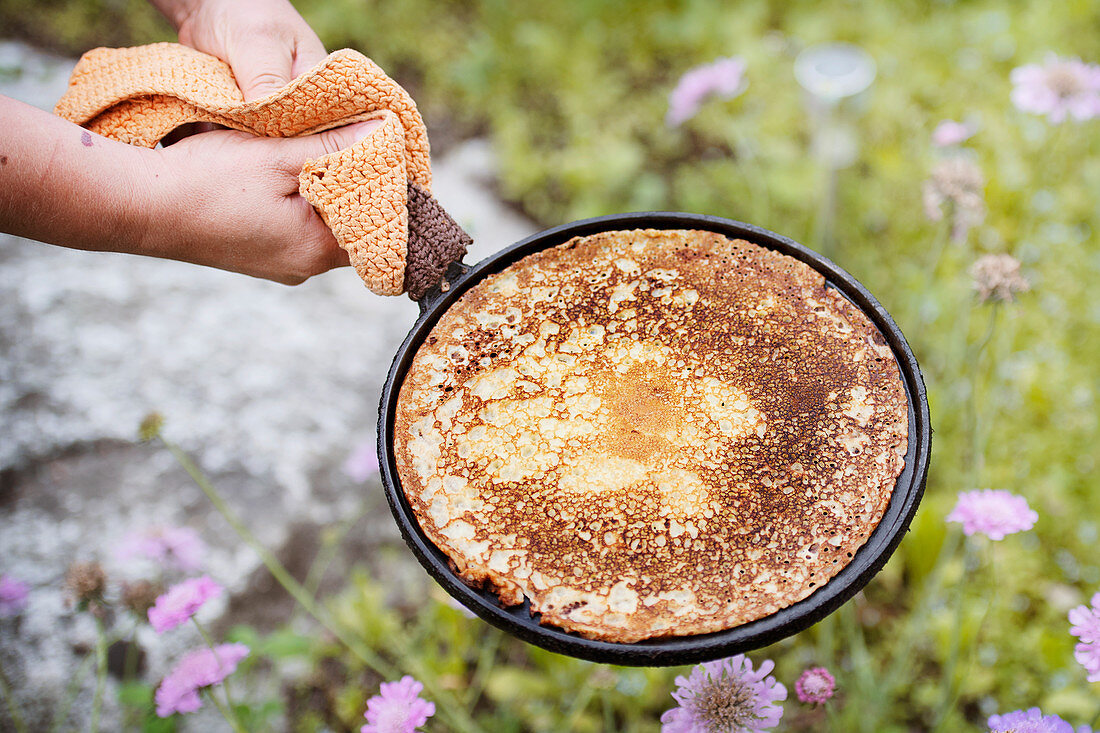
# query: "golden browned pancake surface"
(651, 433)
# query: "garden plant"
(971, 210)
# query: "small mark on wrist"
(86, 139)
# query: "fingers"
(265, 69)
(308, 52)
(296, 151)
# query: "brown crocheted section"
(139, 95)
(435, 241)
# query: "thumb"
(330, 141)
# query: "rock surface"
(269, 388)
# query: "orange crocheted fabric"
(139, 95)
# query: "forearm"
(63, 185)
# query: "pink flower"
(815, 685)
(13, 596)
(726, 695)
(993, 513)
(398, 708)
(949, 133)
(175, 547)
(1086, 627)
(1030, 721)
(181, 602)
(362, 463)
(723, 78)
(1086, 621)
(1058, 88)
(179, 691)
(1088, 656)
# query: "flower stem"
(825, 226)
(947, 681)
(459, 719)
(920, 610)
(484, 664)
(865, 679)
(937, 249)
(327, 553)
(753, 173)
(13, 708)
(100, 673)
(608, 711)
(587, 691)
(977, 457)
(62, 715)
(204, 634)
(226, 712)
(225, 682)
(129, 663)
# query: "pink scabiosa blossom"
(1030, 721)
(13, 596)
(815, 686)
(994, 513)
(724, 78)
(173, 547)
(726, 695)
(179, 691)
(398, 708)
(362, 463)
(949, 133)
(1088, 656)
(955, 188)
(181, 602)
(1086, 621)
(1058, 88)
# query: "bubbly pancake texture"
(651, 433)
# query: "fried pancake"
(651, 433)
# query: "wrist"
(164, 220)
(151, 222)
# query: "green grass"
(572, 97)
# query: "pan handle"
(454, 271)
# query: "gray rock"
(269, 388)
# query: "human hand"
(265, 42)
(230, 200)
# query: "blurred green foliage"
(573, 96)
(74, 27)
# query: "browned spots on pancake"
(651, 433)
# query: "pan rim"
(866, 562)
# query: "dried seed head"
(998, 278)
(87, 582)
(140, 596)
(956, 185)
(150, 426)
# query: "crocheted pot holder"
(374, 195)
